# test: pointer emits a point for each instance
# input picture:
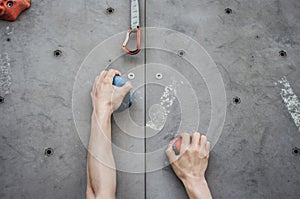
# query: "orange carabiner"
(138, 42)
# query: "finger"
(207, 147)
(203, 141)
(196, 139)
(111, 74)
(171, 154)
(95, 85)
(126, 88)
(103, 75)
(93, 101)
(186, 140)
(174, 140)
(93, 88)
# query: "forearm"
(100, 163)
(197, 188)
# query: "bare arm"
(190, 165)
(101, 172)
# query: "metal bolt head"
(10, 4)
(158, 76)
(131, 76)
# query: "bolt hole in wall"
(1, 100)
(282, 53)
(236, 100)
(296, 151)
(49, 151)
(180, 53)
(228, 10)
(57, 53)
(110, 10)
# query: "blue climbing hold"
(119, 82)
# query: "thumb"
(170, 154)
(126, 88)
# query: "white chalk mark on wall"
(158, 116)
(290, 100)
(5, 74)
(158, 113)
(9, 30)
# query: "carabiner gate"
(138, 42)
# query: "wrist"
(197, 188)
(101, 116)
(104, 110)
(194, 182)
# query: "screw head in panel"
(131, 76)
(158, 76)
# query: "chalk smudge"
(5, 74)
(158, 113)
(290, 100)
(9, 30)
(158, 116)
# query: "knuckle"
(167, 152)
(102, 73)
(197, 133)
(201, 154)
(112, 71)
(193, 150)
(195, 147)
(106, 81)
(185, 134)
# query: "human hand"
(191, 163)
(105, 96)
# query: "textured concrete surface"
(253, 157)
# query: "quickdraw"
(135, 28)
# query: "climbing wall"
(229, 69)
(255, 45)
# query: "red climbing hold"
(11, 9)
(176, 144)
